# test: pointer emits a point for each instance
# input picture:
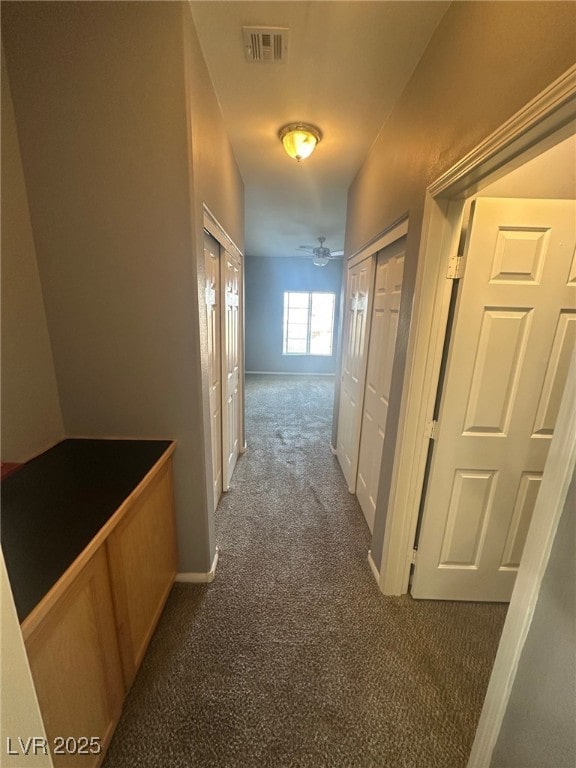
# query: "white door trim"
(521, 137)
(387, 237)
(546, 113)
(440, 236)
(213, 226)
(547, 511)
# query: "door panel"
(212, 262)
(507, 366)
(358, 305)
(384, 325)
(231, 366)
(556, 373)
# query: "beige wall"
(215, 175)
(19, 711)
(485, 61)
(100, 95)
(31, 416)
(215, 181)
(538, 725)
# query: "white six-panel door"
(513, 336)
(232, 281)
(212, 267)
(358, 294)
(384, 324)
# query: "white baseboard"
(290, 373)
(373, 568)
(334, 451)
(199, 578)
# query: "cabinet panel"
(142, 561)
(75, 664)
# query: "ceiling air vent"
(263, 44)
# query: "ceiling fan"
(321, 255)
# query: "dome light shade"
(299, 139)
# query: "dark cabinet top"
(54, 505)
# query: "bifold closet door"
(359, 287)
(381, 347)
(213, 310)
(231, 274)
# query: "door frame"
(542, 123)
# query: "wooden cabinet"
(142, 560)
(87, 637)
(75, 663)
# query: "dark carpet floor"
(292, 658)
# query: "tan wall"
(216, 179)
(31, 416)
(485, 61)
(538, 723)
(19, 711)
(100, 94)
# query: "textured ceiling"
(347, 64)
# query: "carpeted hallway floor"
(292, 658)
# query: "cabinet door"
(142, 561)
(75, 664)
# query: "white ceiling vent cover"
(263, 44)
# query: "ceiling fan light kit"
(299, 139)
(320, 261)
(321, 254)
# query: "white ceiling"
(348, 62)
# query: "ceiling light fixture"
(321, 254)
(299, 139)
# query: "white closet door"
(514, 332)
(384, 324)
(231, 279)
(212, 267)
(359, 286)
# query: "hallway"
(292, 657)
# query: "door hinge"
(455, 268)
(414, 556)
(433, 430)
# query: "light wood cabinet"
(75, 664)
(87, 637)
(142, 561)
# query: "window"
(308, 323)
